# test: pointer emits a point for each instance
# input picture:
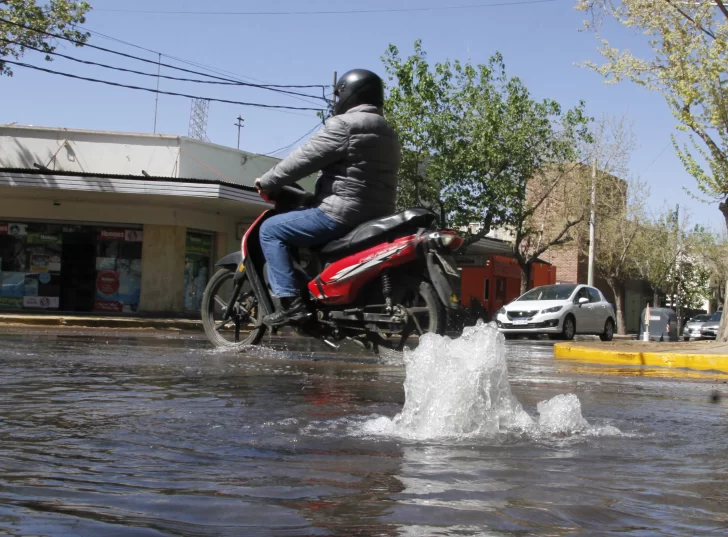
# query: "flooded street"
(144, 436)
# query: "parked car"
(561, 311)
(709, 330)
(693, 326)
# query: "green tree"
(56, 16)
(478, 149)
(687, 64)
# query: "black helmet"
(356, 87)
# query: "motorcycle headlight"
(552, 310)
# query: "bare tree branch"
(706, 31)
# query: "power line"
(133, 71)
(332, 12)
(201, 65)
(285, 148)
(271, 87)
(151, 90)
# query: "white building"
(118, 222)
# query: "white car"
(561, 311)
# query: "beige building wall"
(163, 261)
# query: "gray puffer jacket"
(359, 156)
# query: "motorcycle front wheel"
(244, 325)
(425, 311)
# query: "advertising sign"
(39, 263)
(17, 229)
(108, 306)
(198, 245)
(133, 235)
(111, 235)
(107, 285)
(12, 284)
(41, 302)
(43, 238)
(14, 303)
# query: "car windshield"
(700, 319)
(716, 316)
(549, 292)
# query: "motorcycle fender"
(233, 262)
(230, 260)
(441, 281)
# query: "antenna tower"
(198, 119)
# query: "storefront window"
(118, 270)
(198, 254)
(30, 265)
(69, 267)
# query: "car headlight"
(552, 310)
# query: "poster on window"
(41, 302)
(197, 266)
(17, 229)
(11, 303)
(130, 283)
(133, 235)
(40, 263)
(107, 285)
(12, 284)
(108, 306)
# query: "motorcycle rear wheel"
(245, 326)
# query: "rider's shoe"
(292, 310)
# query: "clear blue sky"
(540, 42)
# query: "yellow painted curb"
(682, 360)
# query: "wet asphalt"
(148, 433)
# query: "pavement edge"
(680, 360)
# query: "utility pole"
(239, 125)
(678, 274)
(592, 224)
(156, 100)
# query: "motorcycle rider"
(358, 155)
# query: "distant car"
(709, 330)
(693, 326)
(561, 311)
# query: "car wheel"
(686, 338)
(569, 329)
(608, 333)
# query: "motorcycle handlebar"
(289, 195)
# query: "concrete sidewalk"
(697, 355)
(90, 321)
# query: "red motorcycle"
(386, 280)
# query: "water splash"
(458, 388)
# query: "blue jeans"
(304, 228)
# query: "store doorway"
(78, 271)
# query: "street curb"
(100, 322)
(679, 360)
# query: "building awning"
(51, 180)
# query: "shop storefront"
(70, 267)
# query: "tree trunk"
(655, 298)
(723, 332)
(618, 290)
(525, 276)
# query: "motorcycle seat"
(383, 229)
